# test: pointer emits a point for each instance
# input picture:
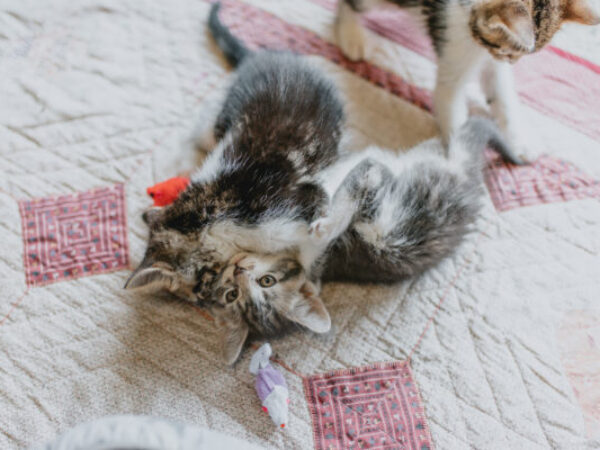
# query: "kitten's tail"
(233, 49)
(478, 133)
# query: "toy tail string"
(279, 362)
(14, 306)
(444, 296)
(286, 367)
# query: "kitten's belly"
(227, 238)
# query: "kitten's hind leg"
(497, 83)
(356, 189)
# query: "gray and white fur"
(279, 126)
(394, 216)
(390, 216)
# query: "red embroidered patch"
(373, 406)
(74, 235)
(547, 180)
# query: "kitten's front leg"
(498, 86)
(449, 108)
(363, 179)
(460, 58)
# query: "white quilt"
(103, 93)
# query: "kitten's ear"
(234, 337)
(151, 215)
(516, 23)
(146, 275)
(581, 11)
(310, 311)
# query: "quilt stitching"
(492, 418)
(500, 419)
(456, 394)
(14, 305)
(548, 180)
(120, 134)
(459, 398)
(462, 290)
(526, 385)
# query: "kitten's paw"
(351, 39)
(528, 153)
(321, 229)
(524, 146)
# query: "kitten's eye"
(232, 295)
(267, 281)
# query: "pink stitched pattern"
(70, 236)
(547, 180)
(258, 28)
(377, 406)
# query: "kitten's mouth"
(237, 259)
(241, 264)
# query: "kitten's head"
(510, 29)
(264, 295)
(173, 262)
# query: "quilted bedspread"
(497, 347)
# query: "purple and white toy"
(270, 386)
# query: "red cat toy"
(166, 192)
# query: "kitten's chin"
(236, 259)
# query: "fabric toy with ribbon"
(270, 386)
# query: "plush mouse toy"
(166, 192)
(270, 386)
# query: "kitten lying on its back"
(390, 217)
(474, 38)
(280, 124)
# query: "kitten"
(474, 37)
(390, 217)
(266, 295)
(280, 124)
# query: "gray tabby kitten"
(391, 217)
(279, 126)
(474, 38)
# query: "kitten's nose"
(238, 270)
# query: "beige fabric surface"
(98, 92)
